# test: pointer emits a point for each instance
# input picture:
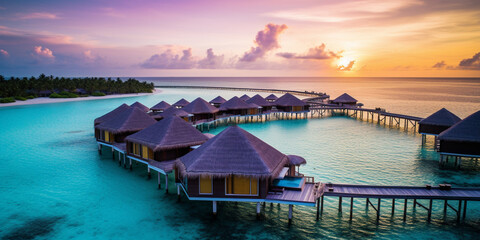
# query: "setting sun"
(345, 63)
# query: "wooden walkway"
(314, 95)
(307, 196)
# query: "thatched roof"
(140, 106)
(171, 111)
(218, 100)
(234, 151)
(200, 106)
(296, 160)
(289, 100)
(169, 133)
(181, 103)
(244, 97)
(259, 100)
(344, 98)
(271, 97)
(131, 120)
(234, 103)
(111, 114)
(209, 135)
(467, 130)
(160, 106)
(442, 117)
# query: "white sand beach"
(44, 100)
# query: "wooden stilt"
(414, 203)
(321, 205)
(290, 213)
(318, 209)
(430, 210)
(149, 175)
(393, 206)
(405, 210)
(351, 208)
(159, 181)
(258, 210)
(459, 211)
(340, 204)
(378, 210)
(464, 209)
(445, 209)
(131, 165)
(366, 205)
(214, 208)
(166, 185)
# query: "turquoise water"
(55, 185)
(289, 182)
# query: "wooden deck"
(401, 192)
(307, 196)
(163, 166)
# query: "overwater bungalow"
(201, 110)
(140, 106)
(462, 139)
(218, 101)
(271, 98)
(116, 129)
(345, 99)
(161, 143)
(181, 103)
(172, 111)
(260, 101)
(160, 107)
(110, 114)
(236, 106)
(237, 166)
(244, 97)
(290, 103)
(437, 122)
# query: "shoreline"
(46, 100)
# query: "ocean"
(55, 185)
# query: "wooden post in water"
(351, 208)
(378, 210)
(459, 211)
(290, 213)
(159, 181)
(131, 165)
(178, 192)
(430, 210)
(340, 204)
(405, 210)
(445, 209)
(258, 210)
(214, 208)
(166, 186)
(321, 206)
(464, 209)
(393, 206)
(149, 175)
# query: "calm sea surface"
(54, 185)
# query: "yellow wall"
(107, 136)
(145, 152)
(206, 185)
(241, 185)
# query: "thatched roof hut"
(181, 103)
(169, 133)
(271, 98)
(244, 97)
(259, 100)
(111, 114)
(296, 160)
(438, 122)
(463, 137)
(140, 106)
(131, 120)
(172, 111)
(218, 101)
(234, 103)
(345, 99)
(234, 151)
(289, 100)
(200, 106)
(161, 106)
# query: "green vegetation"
(55, 87)
(20, 98)
(7, 100)
(98, 94)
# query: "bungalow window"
(135, 149)
(237, 185)
(206, 185)
(107, 136)
(297, 108)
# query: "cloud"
(346, 68)
(212, 61)
(265, 41)
(472, 63)
(4, 53)
(439, 65)
(316, 53)
(37, 15)
(169, 60)
(43, 52)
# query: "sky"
(318, 38)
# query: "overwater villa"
(181, 103)
(290, 103)
(114, 131)
(161, 143)
(244, 97)
(237, 166)
(437, 123)
(217, 101)
(201, 110)
(345, 99)
(140, 106)
(160, 107)
(173, 111)
(110, 114)
(271, 98)
(461, 140)
(260, 101)
(236, 106)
